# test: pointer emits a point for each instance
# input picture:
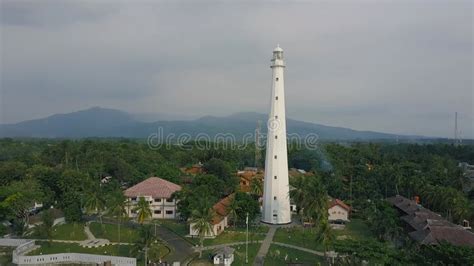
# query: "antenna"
(258, 152)
(456, 128)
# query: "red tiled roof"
(154, 187)
(339, 203)
(221, 209)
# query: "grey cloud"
(389, 66)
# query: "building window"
(134, 199)
(157, 212)
(275, 156)
(275, 198)
(275, 177)
(157, 200)
(276, 79)
(169, 212)
(169, 200)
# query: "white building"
(224, 256)
(338, 211)
(276, 199)
(220, 219)
(158, 193)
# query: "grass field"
(55, 247)
(230, 237)
(6, 256)
(276, 256)
(110, 232)
(357, 229)
(69, 231)
(306, 237)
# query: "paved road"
(181, 249)
(259, 259)
(88, 232)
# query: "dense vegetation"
(68, 174)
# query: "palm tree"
(147, 242)
(118, 210)
(95, 202)
(233, 208)
(201, 220)
(298, 193)
(325, 235)
(256, 186)
(143, 210)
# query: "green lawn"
(110, 232)
(6, 256)
(257, 229)
(298, 236)
(68, 231)
(55, 247)
(357, 229)
(305, 237)
(179, 228)
(239, 256)
(232, 236)
(276, 256)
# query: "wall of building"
(161, 208)
(338, 213)
(216, 229)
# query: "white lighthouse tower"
(276, 198)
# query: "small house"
(338, 211)
(224, 256)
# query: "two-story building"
(158, 192)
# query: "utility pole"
(456, 128)
(146, 253)
(247, 240)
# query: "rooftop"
(339, 202)
(429, 227)
(221, 209)
(155, 187)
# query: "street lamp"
(146, 253)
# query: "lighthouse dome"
(278, 49)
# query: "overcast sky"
(399, 66)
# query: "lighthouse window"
(275, 156)
(276, 117)
(275, 198)
(276, 79)
(275, 177)
(276, 98)
(276, 137)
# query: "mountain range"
(102, 122)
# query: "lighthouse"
(276, 198)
